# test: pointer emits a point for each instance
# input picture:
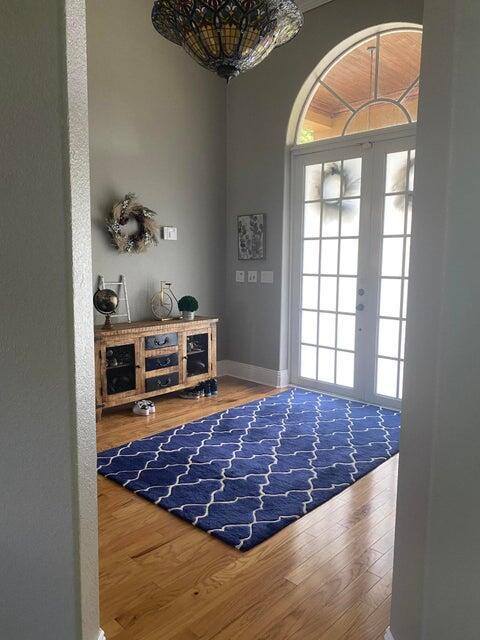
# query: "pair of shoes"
(190, 394)
(143, 408)
(210, 388)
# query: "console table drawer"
(161, 382)
(162, 340)
(161, 362)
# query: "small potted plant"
(188, 305)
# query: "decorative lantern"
(227, 36)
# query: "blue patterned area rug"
(247, 472)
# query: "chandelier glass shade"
(227, 36)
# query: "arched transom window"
(372, 85)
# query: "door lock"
(361, 292)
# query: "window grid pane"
(330, 249)
(396, 225)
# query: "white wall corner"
(253, 373)
(101, 635)
(389, 635)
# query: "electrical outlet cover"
(252, 276)
(266, 277)
(240, 276)
(169, 233)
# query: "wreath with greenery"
(144, 235)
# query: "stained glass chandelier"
(227, 36)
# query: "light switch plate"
(239, 276)
(252, 276)
(169, 233)
(266, 277)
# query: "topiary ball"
(188, 303)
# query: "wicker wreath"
(146, 233)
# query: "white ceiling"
(306, 5)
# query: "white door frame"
(342, 145)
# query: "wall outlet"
(252, 276)
(266, 277)
(239, 276)
(169, 233)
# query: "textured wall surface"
(436, 592)
(259, 105)
(157, 128)
(48, 574)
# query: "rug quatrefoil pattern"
(247, 472)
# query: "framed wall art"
(251, 236)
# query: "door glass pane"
(311, 250)
(352, 173)
(309, 327)
(329, 258)
(397, 164)
(310, 292)
(346, 332)
(348, 256)
(328, 320)
(331, 218)
(311, 226)
(313, 182)
(387, 377)
(308, 367)
(394, 217)
(326, 365)
(390, 296)
(407, 258)
(411, 174)
(400, 381)
(388, 337)
(326, 332)
(402, 343)
(350, 217)
(328, 294)
(392, 257)
(345, 365)
(405, 298)
(347, 294)
(332, 180)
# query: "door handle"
(360, 307)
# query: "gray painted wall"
(436, 592)
(259, 105)
(157, 128)
(48, 567)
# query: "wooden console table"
(141, 360)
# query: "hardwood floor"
(325, 577)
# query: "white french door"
(351, 247)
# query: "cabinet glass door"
(197, 354)
(121, 370)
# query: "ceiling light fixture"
(227, 36)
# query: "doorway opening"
(352, 192)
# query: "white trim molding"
(306, 5)
(101, 635)
(253, 373)
(389, 635)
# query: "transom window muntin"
(372, 85)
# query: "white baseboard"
(389, 635)
(101, 635)
(253, 373)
